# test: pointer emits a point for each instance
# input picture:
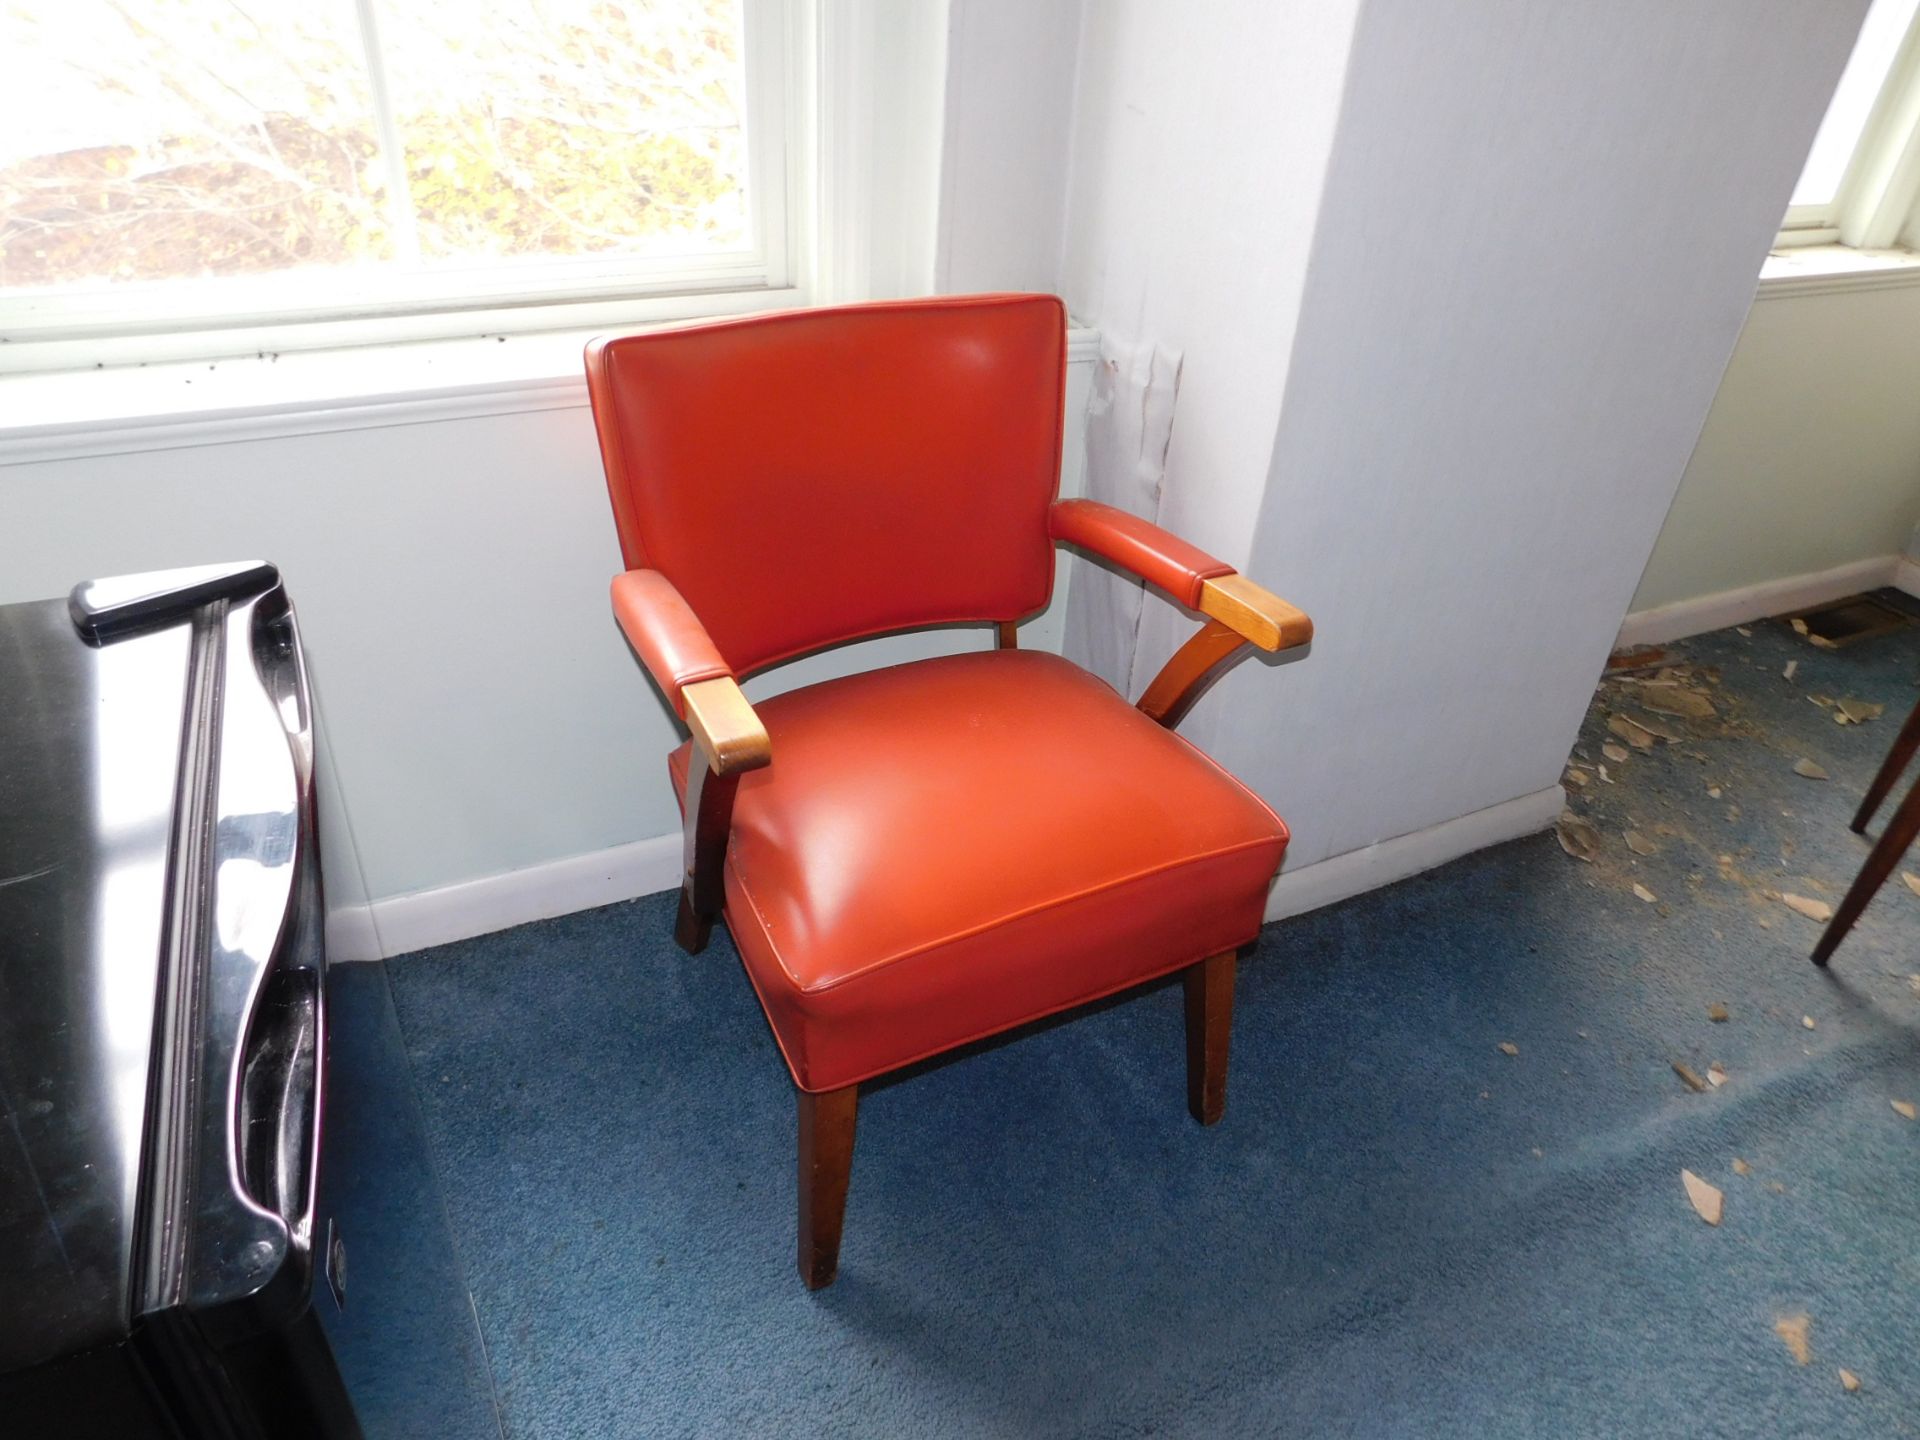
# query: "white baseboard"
(1341, 877)
(402, 923)
(1755, 602)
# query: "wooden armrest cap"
(724, 726)
(1254, 612)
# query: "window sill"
(78, 414)
(1821, 269)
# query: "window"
(384, 168)
(1862, 176)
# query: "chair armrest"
(666, 634)
(725, 728)
(1183, 571)
(1164, 561)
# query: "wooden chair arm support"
(1238, 613)
(728, 741)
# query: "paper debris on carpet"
(1812, 909)
(1906, 1108)
(1577, 836)
(1792, 1330)
(1614, 752)
(1713, 792)
(1675, 700)
(1688, 1076)
(1792, 665)
(1717, 1013)
(1849, 1381)
(1639, 844)
(1857, 712)
(1601, 770)
(1742, 629)
(1740, 1167)
(1913, 881)
(1807, 1020)
(1659, 731)
(1576, 776)
(1645, 894)
(1507, 1047)
(1716, 1074)
(1799, 625)
(1634, 734)
(1809, 769)
(1707, 1199)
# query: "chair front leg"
(1209, 986)
(709, 819)
(728, 741)
(826, 1165)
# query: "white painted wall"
(1537, 243)
(1810, 459)
(1200, 144)
(1009, 97)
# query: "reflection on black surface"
(407, 1340)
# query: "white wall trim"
(82, 414)
(1755, 602)
(425, 918)
(402, 923)
(1341, 877)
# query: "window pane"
(1833, 146)
(165, 139)
(570, 127)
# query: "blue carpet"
(1398, 1229)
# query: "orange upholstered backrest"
(816, 476)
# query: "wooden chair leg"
(1904, 744)
(1209, 1026)
(826, 1164)
(691, 930)
(1881, 860)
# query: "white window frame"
(1873, 207)
(68, 329)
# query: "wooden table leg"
(826, 1164)
(1886, 854)
(1209, 1027)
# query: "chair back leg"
(826, 1165)
(1209, 1026)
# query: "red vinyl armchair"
(917, 857)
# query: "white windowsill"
(71, 415)
(1822, 269)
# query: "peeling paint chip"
(1849, 1381)
(1688, 1076)
(1809, 769)
(1812, 909)
(1740, 1167)
(1507, 1047)
(1645, 894)
(1639, 844)
(1613, 752)
(1792, 1330)
(1637, 736)
(1717, 1013)
(1576, 836)
(1707, 1199)
(1906, 1108)
(1674, 700)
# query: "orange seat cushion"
(947, 849)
